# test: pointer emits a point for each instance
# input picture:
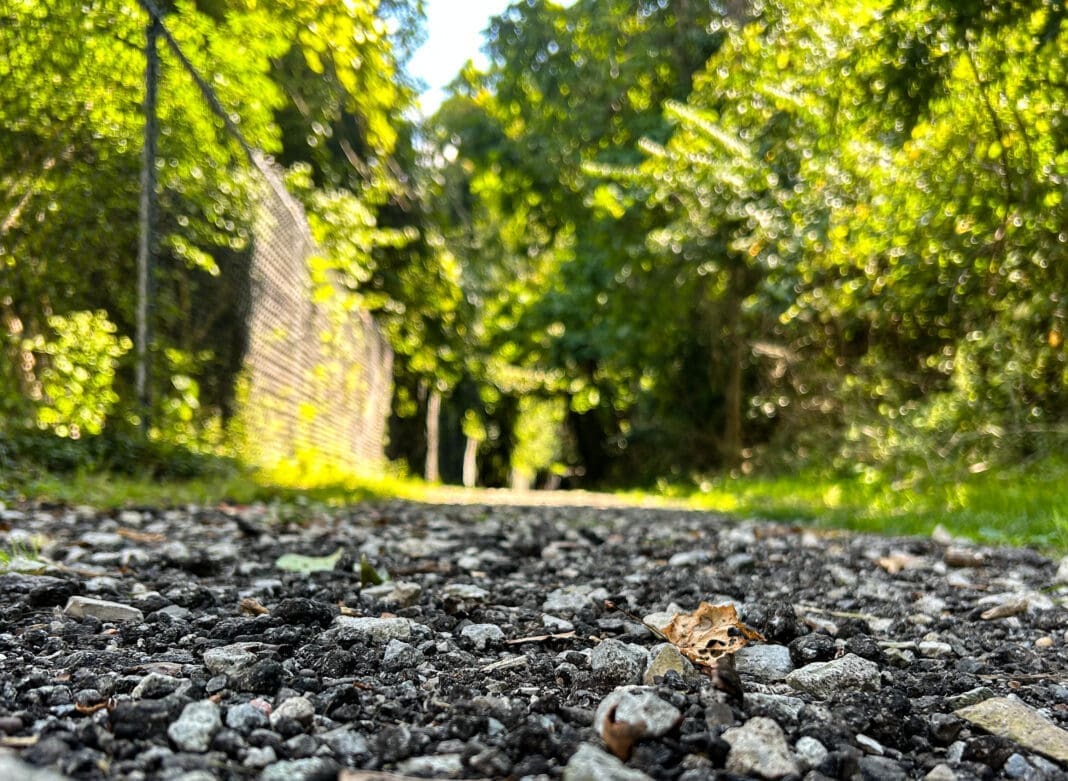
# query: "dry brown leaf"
(620, 736)
(252, 607)
(708, 633)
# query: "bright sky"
(454, 36)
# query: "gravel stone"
(246, 717)
(664, 658)
(423, 684)
(299, 709)
(436, 766)
(764, 662)
(346, 744)
(590, 763)
(230, 659)
(815, 647)
(880, 769)
(617, 663)
(637, 705)
(308, 769)
(823, 679)
(401, 656)
(155, 685)
(380, 630)
(483, 636)
(780, 707)
(810, 752)
(196, 727)
(758, 748)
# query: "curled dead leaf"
(252, 607)
(620, 736)
(708, 633)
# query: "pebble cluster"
(508, 642)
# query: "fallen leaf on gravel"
(541, 638)
(1005, 610)
(620, 736)
(252, 607)
(708, 633)
(294, 562)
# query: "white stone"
(637, 705)
(300, 709)
(590, 763)
(758, 748)
(379, 629)
(195, 728)
(482, 635)
(822, 679)
(810, 752)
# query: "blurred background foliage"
(652, 241)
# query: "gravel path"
(197, 644)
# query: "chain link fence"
(314, 380)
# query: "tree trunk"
(432, 473)
(732, 397)
(470, 473)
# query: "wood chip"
(135, 536)
(1005, 610)
(506, 664)
(18, 741)
(963, 557)
(541, 638)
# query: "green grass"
(1026, 505)
(287, 485)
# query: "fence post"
(146, 243)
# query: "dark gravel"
(168, 645)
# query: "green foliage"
(76, 374)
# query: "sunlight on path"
(502, 496)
